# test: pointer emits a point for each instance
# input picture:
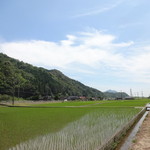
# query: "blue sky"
(104, 44)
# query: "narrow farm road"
(142, 140)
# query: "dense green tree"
(24, 80)
(9, 78)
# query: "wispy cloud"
(96, 11)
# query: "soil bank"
(142, 139)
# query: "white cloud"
(88, 48)
(91, 50)
(70, 40)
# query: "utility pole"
(137, 94)
(142, 94)
(131, 92)
(121, 94)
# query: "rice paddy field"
(70, 103)
(83, 126)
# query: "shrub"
(5, 97)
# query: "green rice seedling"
(21, 124)
(86, 133)
(126, 103)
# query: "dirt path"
(142, 140)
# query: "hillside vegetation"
(20, 79)
(119, 95)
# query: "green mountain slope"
(27, 81)
(110, 95)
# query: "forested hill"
(115, 95)
(27, 81)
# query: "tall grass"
(87, 133)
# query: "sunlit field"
(107, 103)
(87, 127)
(69, 103)
(126, 103)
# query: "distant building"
(129, 98)
(73, 98)
(119, 98)
(82, 98)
